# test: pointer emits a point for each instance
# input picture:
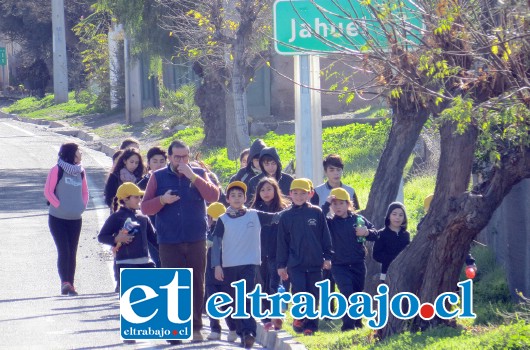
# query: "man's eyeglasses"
(177, 157)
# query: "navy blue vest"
(185, 220)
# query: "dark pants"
(303, 280)
(188, 255)
(326, 274)
(65, 234)
(350, 279)
(136, 266)
(215, 325)
(265, 279)
(236, 273)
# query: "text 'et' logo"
(156, 304)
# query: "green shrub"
(178, 107)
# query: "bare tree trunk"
(210, 98)
(431, 264)
(406, 128)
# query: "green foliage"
(502, 131)
(415, 192)
(491, 294)
(46, 108)
(359, 145)
(93, 35)
(178, 107)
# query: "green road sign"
(328, 26)
(3, 56)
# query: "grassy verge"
(45, 108)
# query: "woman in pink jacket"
(67, 192)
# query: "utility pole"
(60, 71)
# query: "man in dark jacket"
(177, 195)
(271, 166)
(252, 169)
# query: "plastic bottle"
(131, 226)
(281, 290)
(360, 223)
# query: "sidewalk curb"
(272, 340)
(63, 128)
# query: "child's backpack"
(60, 173)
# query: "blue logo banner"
(156, 304)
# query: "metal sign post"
(3, 62)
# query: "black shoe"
(72, 292)
(174, 342)
(248, 341)
(65, 287)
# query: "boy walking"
(304, 248)
(236, 239)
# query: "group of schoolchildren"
(270, 227)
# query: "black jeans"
(65, 234)
(350, 279)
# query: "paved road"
(33, 315)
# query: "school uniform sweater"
(389, 245)
(237, 239)
(304, 240)
(135, 252)
(347, 250)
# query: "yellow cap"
(239, 184)
(300, 184)
(215, 210)
(128, 189)
(309, 181)
(340, 193)
(427, 202)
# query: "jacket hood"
(393, 206)
(254, 151)
(271, 152)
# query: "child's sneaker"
(308, 332)
(277, 323)
(232, 336)
(214, 336)
(298, 326)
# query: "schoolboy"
(304, 248)
(214, 211)
(236, 239)
(333, 168)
